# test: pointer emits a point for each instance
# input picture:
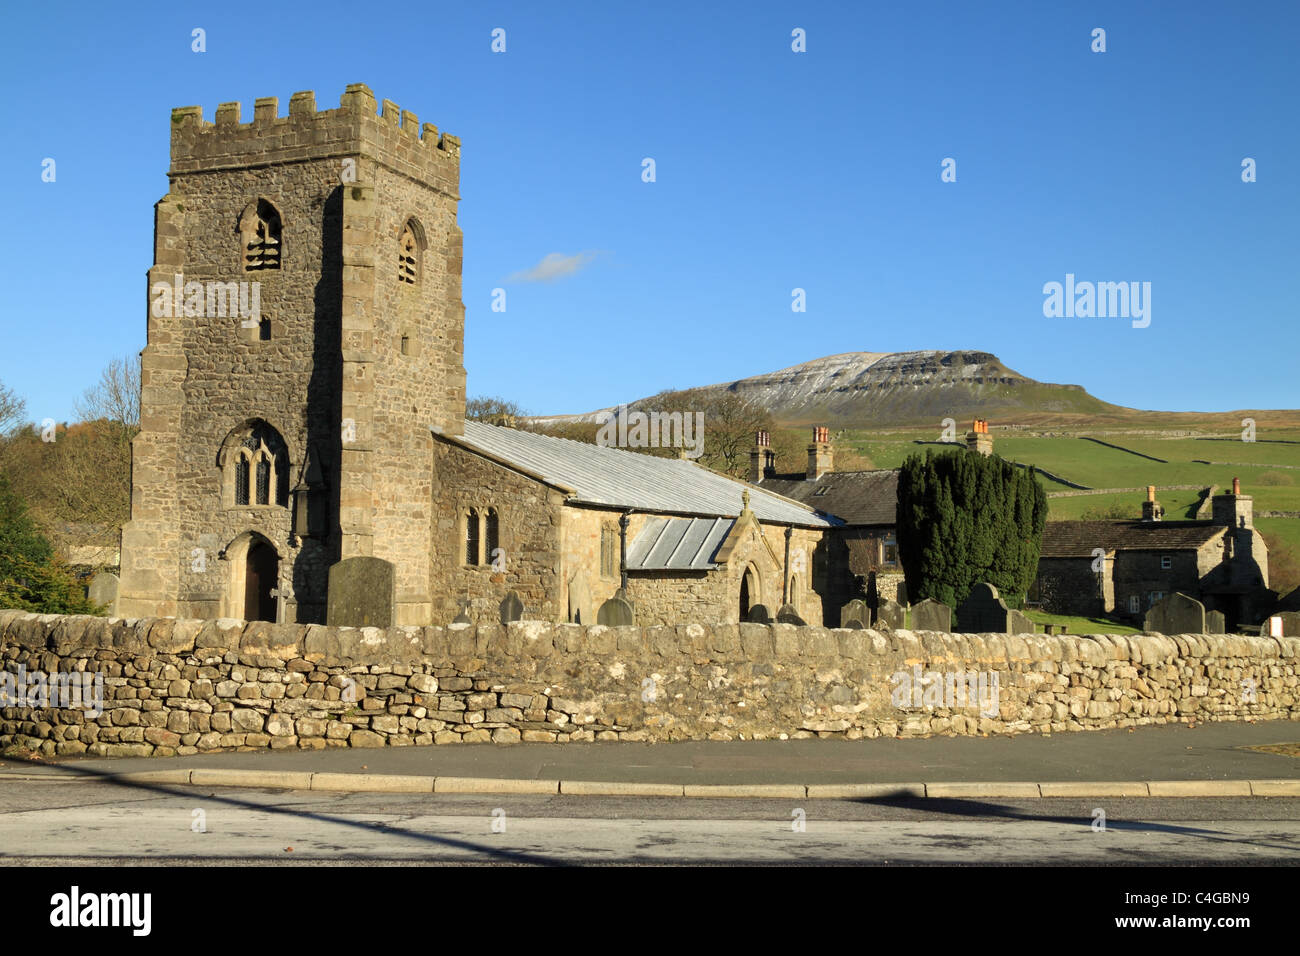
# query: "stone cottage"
(1122, 568)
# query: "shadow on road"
(496, 853)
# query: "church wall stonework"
(189, 686)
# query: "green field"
(1080, 625)
(1269, 472)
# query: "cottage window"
(1134, 604)
(889, 550)
(1166, 562)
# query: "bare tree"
(12, 410)
(116, 397)
(490, 408)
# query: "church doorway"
(261, 572)
(749, 592)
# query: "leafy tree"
(31, 577)
(965, 518)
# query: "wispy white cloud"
(554, 265)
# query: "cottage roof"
(858, 497)
(616, 478)
(1078, 539)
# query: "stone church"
(303, 434)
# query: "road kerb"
(372, 783)
(153, 776)
(1101, 788)
(596, 788)
(1199, 788)
(1275, 788)
(879, 791)
(494, 785)
(791, 791)
(984, 789)
(283, 779)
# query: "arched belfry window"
(260, 236)
(409, 253)
(256, 462)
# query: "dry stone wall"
(187, 686)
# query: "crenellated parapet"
(359, 128)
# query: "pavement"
(1208, 760)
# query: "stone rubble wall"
(189, 686)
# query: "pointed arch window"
(471, 537)
(258, 462)
(491, 535)
(261, 236)
(410, 249)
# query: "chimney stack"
(1151, 509)
(978, 438)
(762, 460)
(819, 453)
(1236, 509)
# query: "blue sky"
(774, 170)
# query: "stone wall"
(188, 686)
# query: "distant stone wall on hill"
(187, 686)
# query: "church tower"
(305, 334)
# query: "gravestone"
(1214, 622)
(758, 615)
(579, 599)
(890, 614)
(855, 613)
(362, 593)
(103, 589)
(1290, 623)
(932, 615)
(900, 593)
(1176, 614)
(1018, 623)
(512, 608)
(788, 615)
(983, 612)
(616, 612)
(461, 618)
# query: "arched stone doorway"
(254, 593)
(751, 592)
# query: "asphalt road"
(111, 824)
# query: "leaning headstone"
(983, 612)
(1176, 614)
(758, 615)
(890, 614)
(931, 615)
(512, 608)
(1018, 623)
(855, 612)
(362, 593)
(1214, 622)
(616, 612)
(900, 593)
(579, 599)
(788, 615)
(103, 589)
